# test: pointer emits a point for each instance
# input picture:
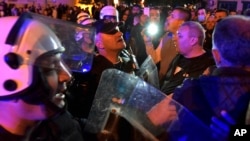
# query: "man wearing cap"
(109, 45)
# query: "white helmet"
(109, 11)
(20, 48)
(80, 32)
(82, 16)
(87, 21)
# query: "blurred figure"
(72, 14)
(202, 16)
(1, 11)
(220, 13)
(247, 12)
(136, 20)
(85, 37)
(209, 27)
(232, 12)
(136, 40)
(81, 17)
(193, 15)
(155, 26)
(110, 13)
(124, 27)
(135, 10)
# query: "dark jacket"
(60, 128)
(226, 89)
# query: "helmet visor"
(78, 54)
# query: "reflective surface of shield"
(143, 106)
(148, 72)
(78, 41)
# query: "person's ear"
(98, 43)
(193, 40)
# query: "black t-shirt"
(181, 68)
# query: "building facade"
(237, 5)
(42, 2)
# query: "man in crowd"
(228, 86)
(221, 99)
(202, 16)
(192, 59)
(220, 13)
(166, 50)
(109, 44)
(136, 40)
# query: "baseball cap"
(106, 26)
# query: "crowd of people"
(202, 62)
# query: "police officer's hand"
(163, 112)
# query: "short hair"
(233, 42)
(155, 8)
(196, 29)
(136, 5)
(201, 8)
(222, 10)
(185, 13)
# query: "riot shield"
(149, 72)
(78, 41)
(123, 99)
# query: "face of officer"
(55, 75)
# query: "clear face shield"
(78, 41)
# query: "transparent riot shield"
(127, 108)
(78, 41)
(148, 72)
